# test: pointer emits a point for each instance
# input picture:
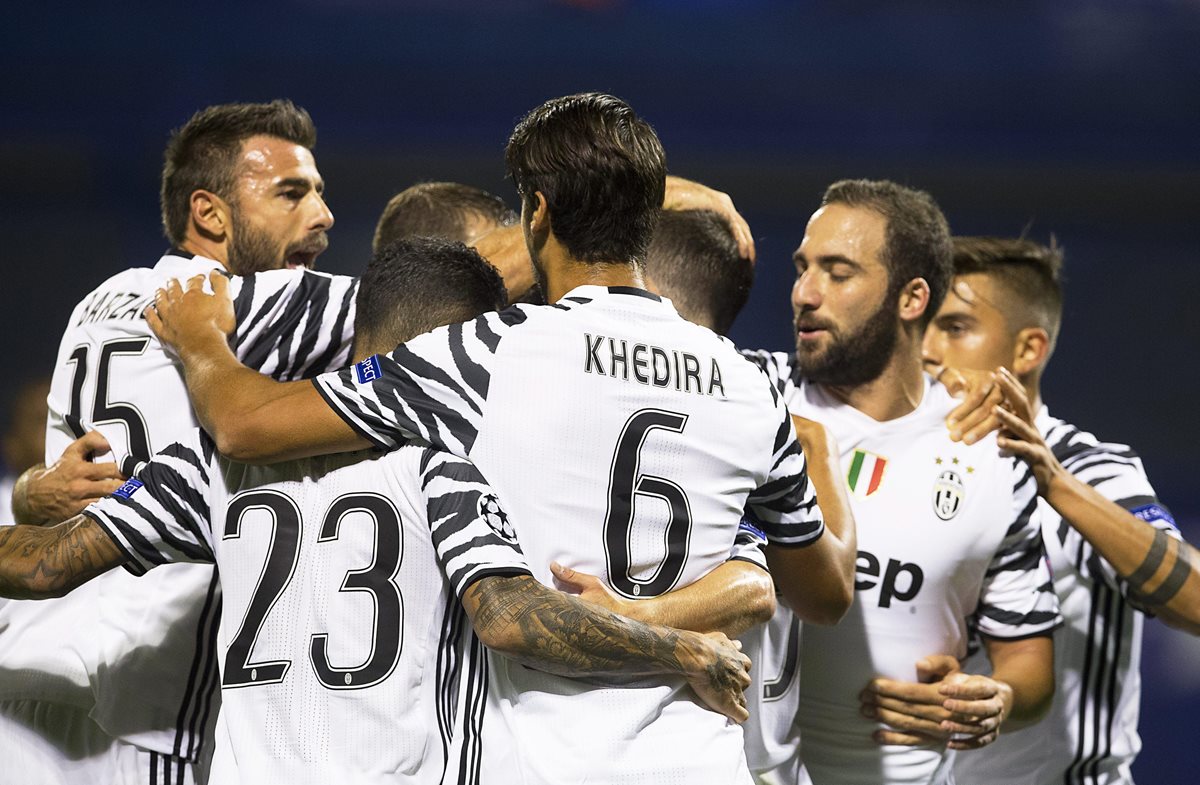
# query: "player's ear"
(210, 214)
(539, 214)
(914, 299)
(1031, 350)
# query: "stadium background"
(1073, 117)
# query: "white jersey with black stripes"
(629, 443)
(341, 643)
(949, 543)
(136, 655)
(1089, 736)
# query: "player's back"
(112, 374)
(99, 647)
(111, 637)
(335, 610)
(339, 642)
(627, 442)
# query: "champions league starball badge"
(496, 518)
(948, 492)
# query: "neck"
(895, 392)
(203, 246)
(570, 274)
(1033, 390)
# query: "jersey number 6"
(626, 484)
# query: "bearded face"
(253, 249)
(847, 354)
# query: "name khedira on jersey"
(103, 306)
(651, 365)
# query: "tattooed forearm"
(561, 634)
(1161, 549)
(38, 562)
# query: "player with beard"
(638, 438)
(948, 535)
(389, 683)
(1113, 547)
(128, 694)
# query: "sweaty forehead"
(269, 157)
(855, 233)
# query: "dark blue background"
(1077, 119)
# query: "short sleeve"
(1018, 599)
(749, 545)
(785, 507)
(1117, 474)
(163, 515)
(433, 388)
(472, 534)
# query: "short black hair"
(439, 210)
(601, 169)
(1031, 272)
(414, 285)
(203, 153)
(694, 260)
(917, 238)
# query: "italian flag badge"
(866, 473)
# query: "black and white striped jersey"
(1090, 735)
(629, 443)
(949, 541)
(340, 640)
(141, 651)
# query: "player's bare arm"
(818, 580)
(49, 494)
(1026, 668)
(39, 562)
(684, 194)
(555, 632)
(252, 418)
(731, 599)
(1162, 571)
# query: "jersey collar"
(592, 291)
(179, 264)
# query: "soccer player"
(1113, 547)
(625, 440)
(451, 210)
(947, 533)
(348, 562)
(127, 660)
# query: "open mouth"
(300, 259)
(305, 253)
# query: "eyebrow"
(301, 182)
(827, 260)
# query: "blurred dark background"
(1073, 118)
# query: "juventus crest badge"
(948, 492)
